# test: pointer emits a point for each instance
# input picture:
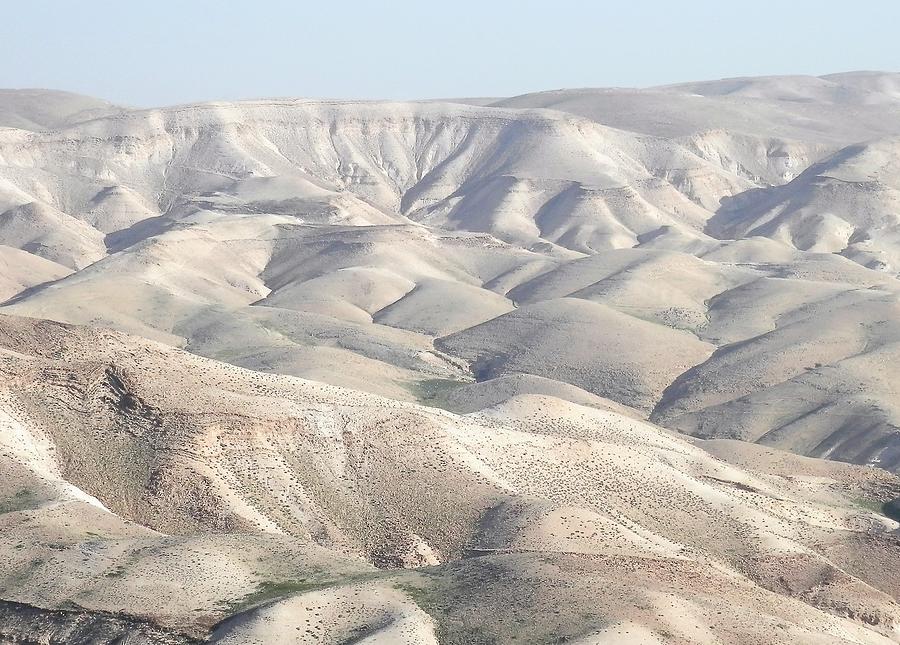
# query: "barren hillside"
(136, 472)
(603, 365)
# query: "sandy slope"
(20, 270)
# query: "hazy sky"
(163, 52)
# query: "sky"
(164, 52)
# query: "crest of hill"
(750, 105)
(37, 109)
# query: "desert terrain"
(585, 366)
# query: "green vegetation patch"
(892, 509)
(449, 629)
(889, 509)
(271, 590)
(117, 572)
(434, 392)
(24, 499)
(485, 600)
